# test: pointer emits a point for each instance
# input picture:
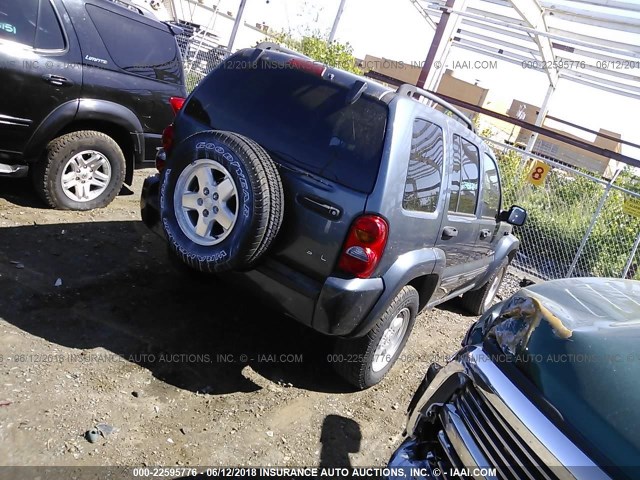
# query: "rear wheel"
(81, 171)
(365, 361)
(479, 301)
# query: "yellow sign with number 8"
(538, 173)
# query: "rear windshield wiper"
(292, 168)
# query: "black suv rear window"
(296, 116)
(138, 47)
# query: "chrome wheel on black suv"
(113, 81)
(86, 176)
(81, 171)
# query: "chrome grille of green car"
(499, 442)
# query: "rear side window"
(18, 20)
(298, 117)
(463, 183)
(31, 22)
(424, 175)
(138, 47)
(490, 199)
(49, 33)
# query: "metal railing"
(579, 225)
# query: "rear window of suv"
(138, 47)
(298, 117)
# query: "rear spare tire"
(221, 201)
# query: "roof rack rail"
(279, 48)
(409, 90)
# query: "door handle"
(57, 80)
(485, 233)
(449, 232)
(321, 206)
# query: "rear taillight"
(167, 138)
(167, 145)
(176, 104)
(168, 134)
(364, 246)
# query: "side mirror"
(514, 216)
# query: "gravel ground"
(97, 328)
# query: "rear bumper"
(335, 307)
(150, 204)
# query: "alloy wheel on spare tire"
(221, 201)
(82, 170)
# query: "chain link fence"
(579, 225)
(201, 53)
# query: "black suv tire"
(87, 165)
(234, 202)
(355, 359)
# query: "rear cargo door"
(327, 150)
(317, 217)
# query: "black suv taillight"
(176, 103)
(168, 135)
(167, 138)
(364, 246)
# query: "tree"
(315, 45)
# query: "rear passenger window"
(18, 20)
(49, 33)
(490, 204)
(424, 176)
(138, 47)
(463, 183)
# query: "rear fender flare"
(62, 116)
(407, 267)
(88, 110)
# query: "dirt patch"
(187, 373)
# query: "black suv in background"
(347, 205)
(87, 87)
